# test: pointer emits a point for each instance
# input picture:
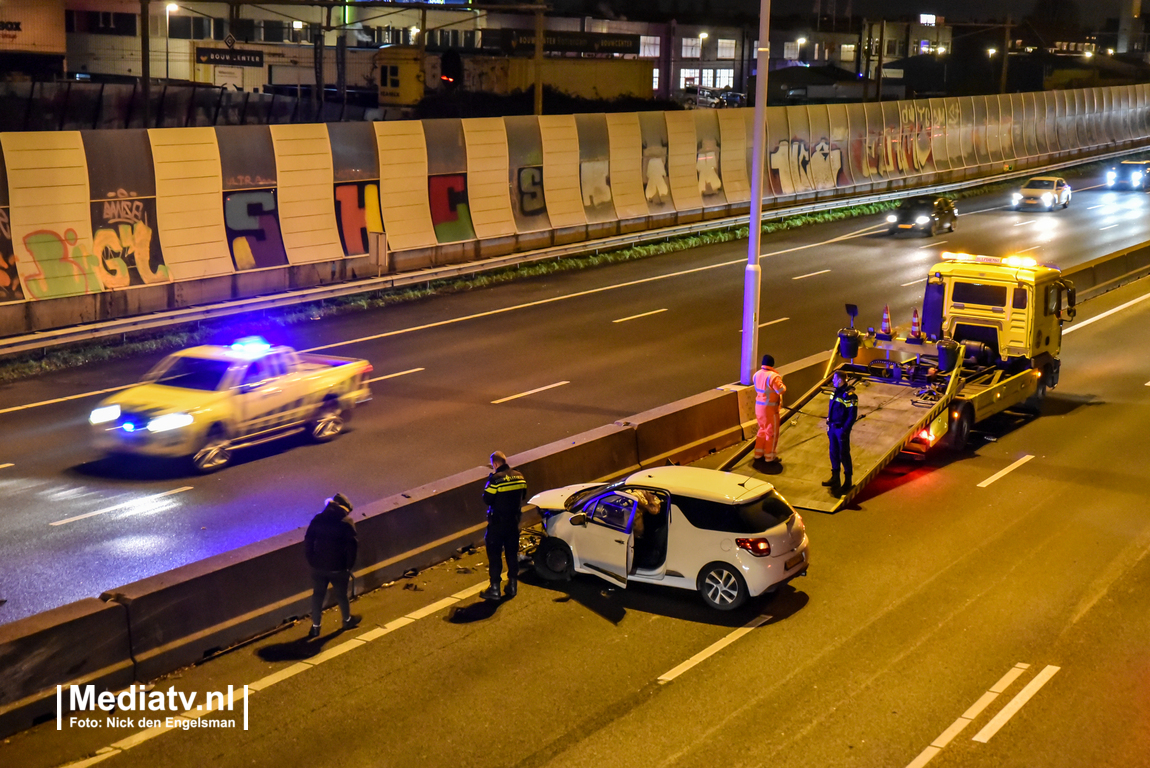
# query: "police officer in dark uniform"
(841, 416)
(503, 493)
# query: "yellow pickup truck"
(206, 402)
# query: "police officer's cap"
(769, 361)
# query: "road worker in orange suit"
(769, 390)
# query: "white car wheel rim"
(329, 424)
(212, 455)
(721, 587)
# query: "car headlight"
(169, 421)
(1111, 177)
(922, 220)
(1016, 197)
(892, 219)
(1047, 198)
(1136, 177)
(104, 414)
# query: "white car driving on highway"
(1042, 192)
(726, 536)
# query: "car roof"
(1045, 178)
(709, 484)
(228, 354)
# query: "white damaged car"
(726, 536)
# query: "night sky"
(1091, 12)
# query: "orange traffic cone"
(886, 320)
(915, 329)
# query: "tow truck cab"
(1007, 311)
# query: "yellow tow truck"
(990, 341)
(206, 402)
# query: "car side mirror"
(580, 519)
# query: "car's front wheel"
(553, 560)
(328, 422)
(722, 587)
(215, 452)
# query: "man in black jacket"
(330, 545)
(503, 494)
(841, 416)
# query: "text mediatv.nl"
(182, 707)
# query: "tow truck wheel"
(553, 559)
(1033, 404)
(328, 421)
(215, 453)
(958, 433)
(722, 587)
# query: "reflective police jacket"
(844, 408)
(504, 493)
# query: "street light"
(167, 36)
(941, 49)
(703, 35)
(991, 51)
(801, 41)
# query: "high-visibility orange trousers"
(767, 440)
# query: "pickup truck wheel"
(215, 453)
(721, 587)
(328, 422)
(958, 434)
(553, 560)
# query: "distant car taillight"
(757, 547)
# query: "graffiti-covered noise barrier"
(93, 213)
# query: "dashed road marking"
(714, 648)
(529, 392)
(393, 375)
(65, 399)
(1024, 223)
(811, 274)
(5, 466)
(932, 245)
(1008, 470)
(1031, 248)
(636, 317)
(1015, 704)
(915, 282)
(1103, 229)
(114, 507)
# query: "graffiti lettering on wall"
(59, 265)
(909, 149)
(10, 289)
(594, 182)
(128, 247)
(531, 201)
(450, 214)
(253, 229)
(358, 214)
(802, 169)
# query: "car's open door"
(605, 546)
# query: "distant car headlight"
(1111, 177)
(892, 219)
(1047, 198)
(1016, 198)
(104, 414)
(1136, 177)
(922, 220)
(169, 421)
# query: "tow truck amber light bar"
(1024, 262)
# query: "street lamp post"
(167, 35)
(753, 273)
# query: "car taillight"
(368, 369)
(926, 435)
(757, 547)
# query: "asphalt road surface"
(954, 616)
(511, 367)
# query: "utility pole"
(864, 54)
(881, 55)
(1005, 54)
(145, 61)
(539, 60)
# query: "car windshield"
(916, 203)
(189, 373)
(580, 496)
(1040, 184)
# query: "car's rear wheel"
(215, 452)
(1067, 203)
(328, 422)
(958, 433)
(722, 587)
(553, 560)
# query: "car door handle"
(620, 541)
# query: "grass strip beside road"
(144, 343)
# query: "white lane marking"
(968, 716)
(636, 317)
(1091, 208)
(1008, 470)
(1031, 248)
(1147, 384)
(114, 507)
(1107, 313)
(393, 375)
(65, 399)
(809, 360)
(932, 245)
(529, 392)
(1015, 704)
(770, 322)
(811, 274)
(714, 648)
(915, 282)
(1024, 223)
(1103, 229)
(5, 466)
